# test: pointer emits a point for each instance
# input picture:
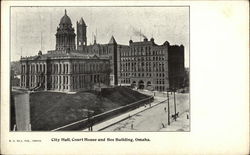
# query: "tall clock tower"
(81, 34)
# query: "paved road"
(153, 118)
(121, 117)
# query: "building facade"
(108, 51)
(75, 66)
(146, 65)
(65, 68)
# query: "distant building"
(146, 65)
(15, 81)
(65, 68)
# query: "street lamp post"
(168, 109)
(174, 106)
(89, 128)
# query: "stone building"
(75, 66)
(108, 51)
(65, 68)
(146, 65)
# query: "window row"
(160, 88)
(136, 74)
(102, 50)
(65, 39)
(141, 66)
(125, 81)
(60, 68)
(34, 68)
(160, 81)
(146, 50)
(79, 68)
(150, 58)
(141, 74)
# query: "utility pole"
(89, 124)
(168, 110)
(174, 106)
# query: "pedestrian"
(163, 126)
(132, 126)
(187, 116)
(165, 109)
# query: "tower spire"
(94, 39)
(140, 34)
(95, 34)
(65, 12)
(81, 34)
(21, 52)
(41, 40)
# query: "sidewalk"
(181, 124)
(112, 121)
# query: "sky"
(34, 28)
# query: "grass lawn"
(50, 110)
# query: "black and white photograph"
(124, 77)
(104, 69)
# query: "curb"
(130, 116)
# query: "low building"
(64, 72)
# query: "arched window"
(60, 68)
(56, 68)
(74, 68)
(63, 68)
(44, 66)
(79, 67)
(148, 83)
(67, 68)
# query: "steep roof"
(112, 40)
(82, 22)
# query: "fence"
(85, 123)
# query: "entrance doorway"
(141, 85)
(133, 84)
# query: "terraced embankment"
(50, 110)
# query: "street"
(156, 118)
